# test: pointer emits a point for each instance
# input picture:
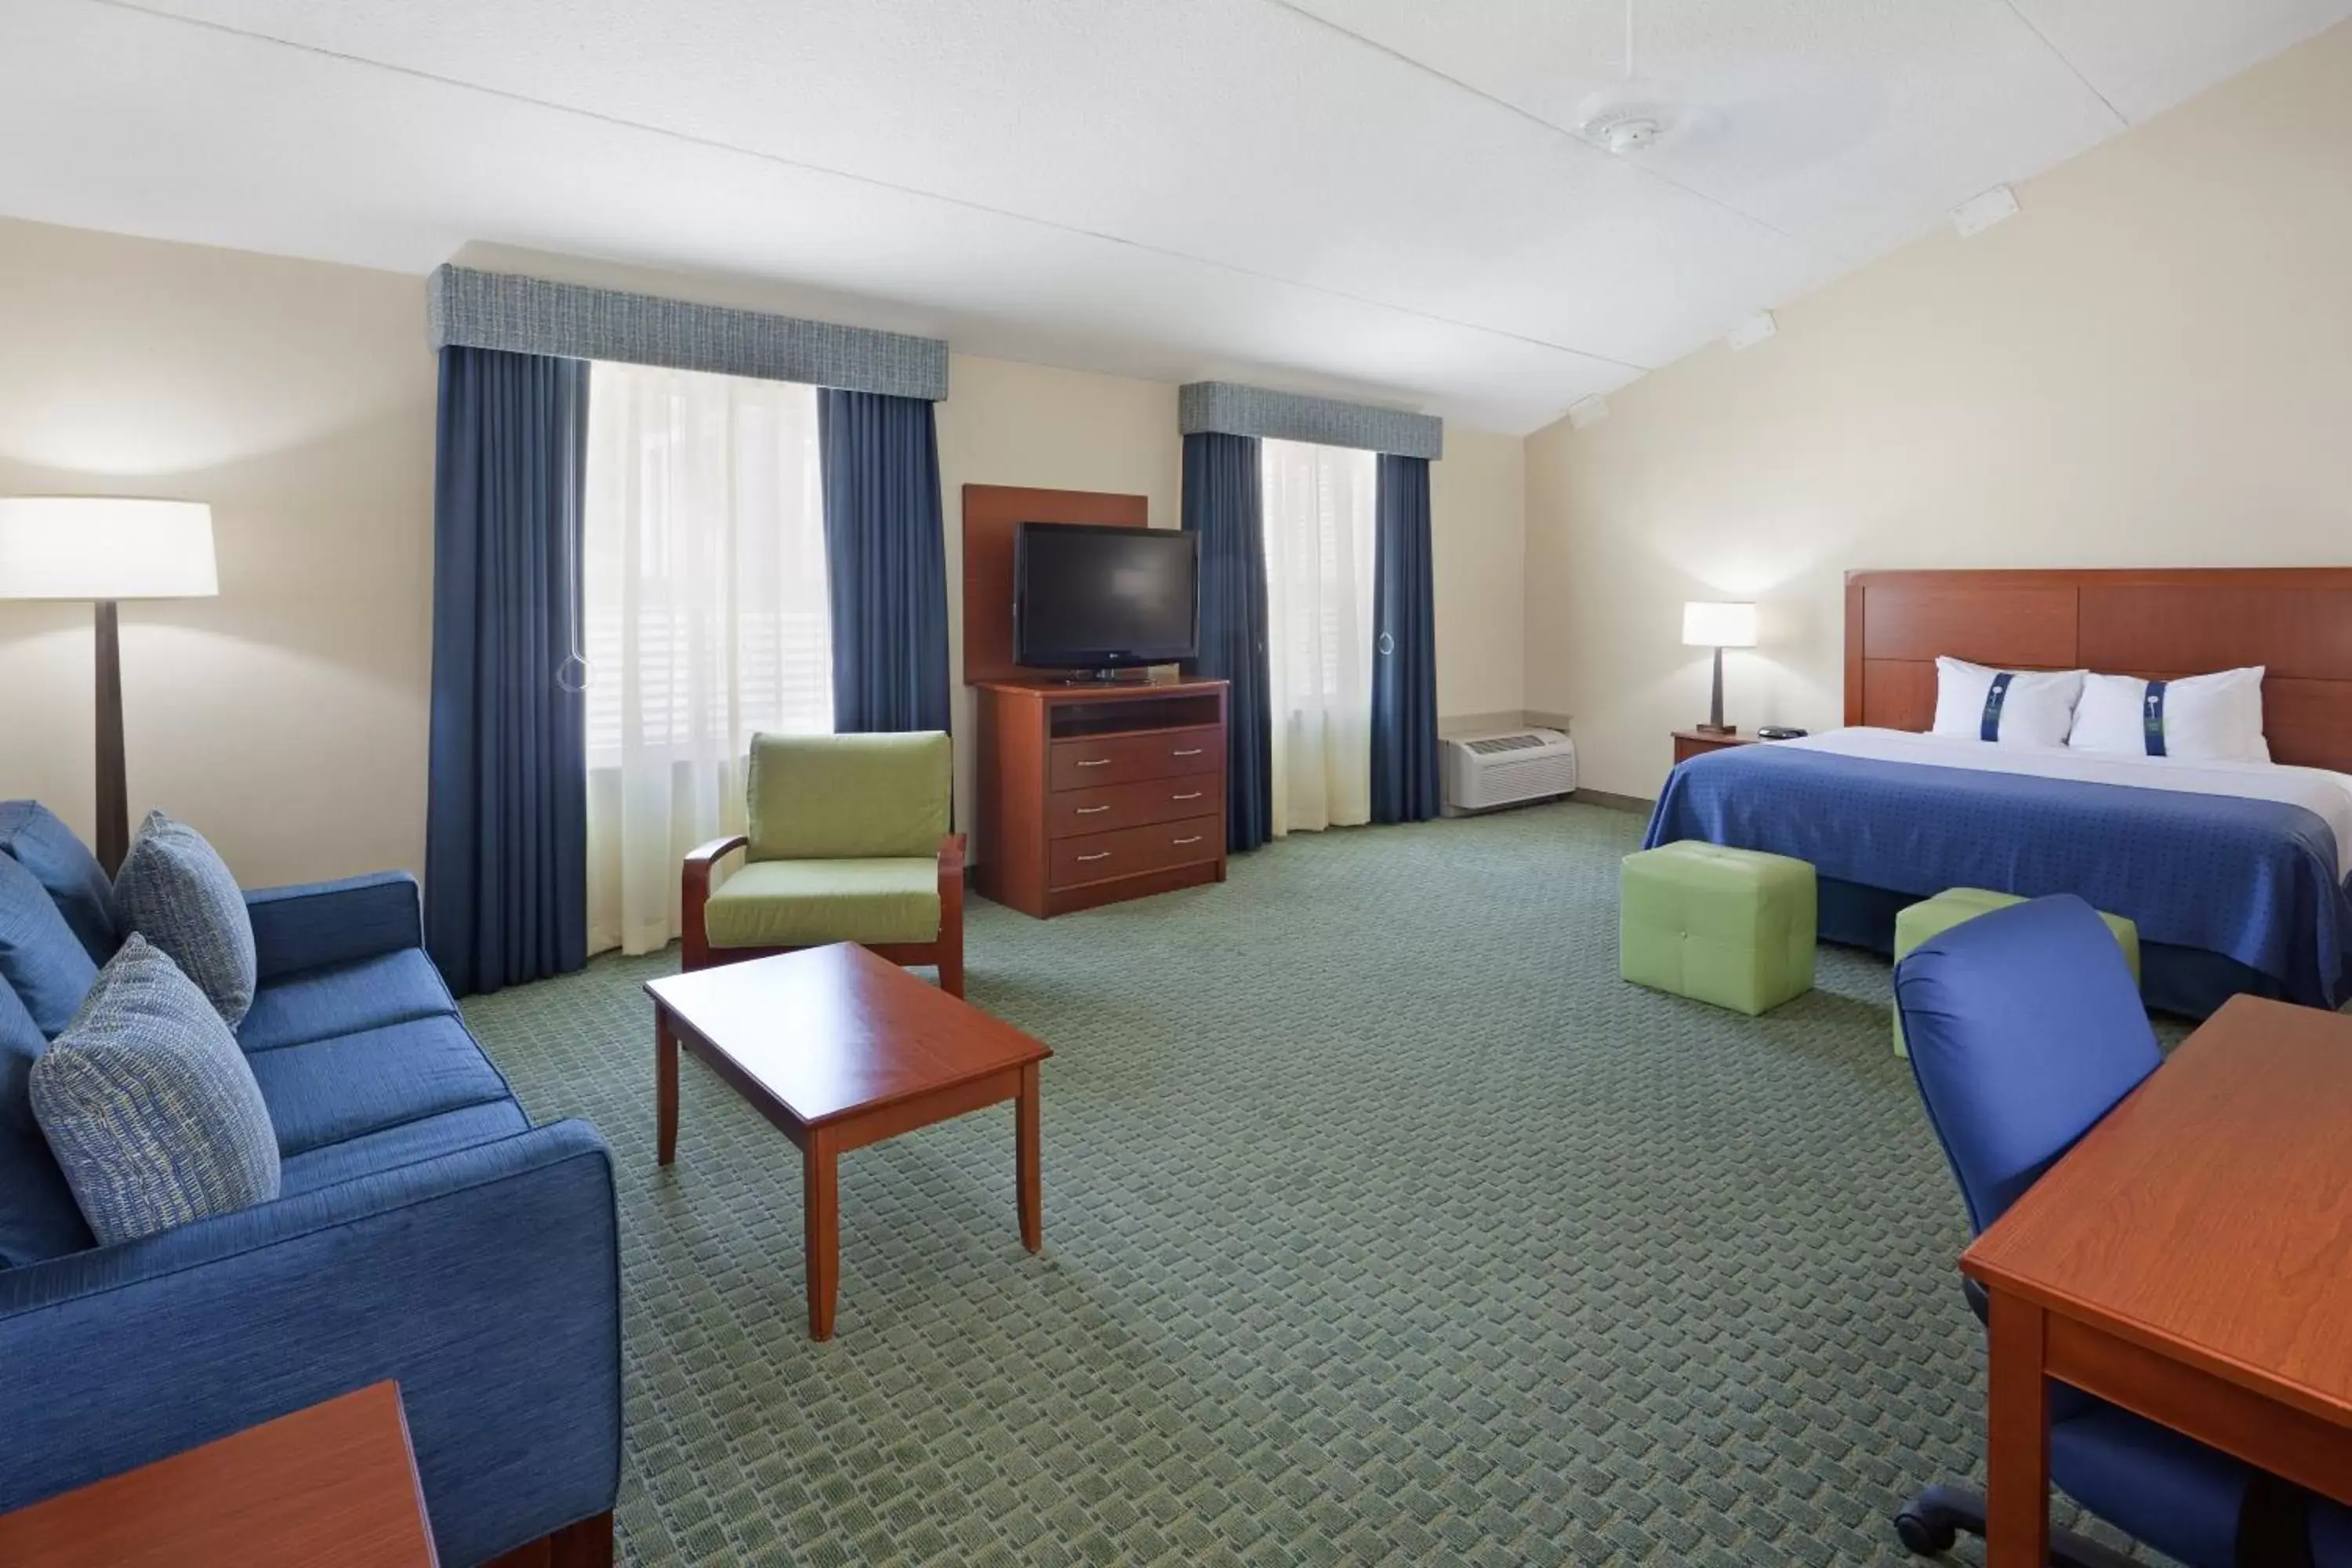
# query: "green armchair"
(846, 841)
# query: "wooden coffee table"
(334, 1483)
(839, 1050)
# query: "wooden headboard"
(2296, 621)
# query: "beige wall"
(285, 719)
(1477, 509)
(1010, 424)
(2150, 365)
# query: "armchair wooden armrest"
(694, 893)
(951, 940)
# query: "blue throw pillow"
(33, 836)
(37, 1217)
(42, 960)
(175, 891)
(150, 1107)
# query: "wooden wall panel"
(2308, 722)
(2296, 621)
(991, 516)
(1987, 623)
(1898, 694)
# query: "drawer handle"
(1194, 796)
(1090, 810)
(1194, 752)
(1097, 855)
(1094, 762)
(1195, 839)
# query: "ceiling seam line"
(1646, 172)
(2123, 121)
(711, 143)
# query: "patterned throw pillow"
(149, 1105)
(175, 891)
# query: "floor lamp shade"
(98, 547)
(103, 549)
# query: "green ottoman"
(1732, 926)
(1949, 907)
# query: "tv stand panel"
(993, 516)
(1092, 794)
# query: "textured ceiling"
(1382, 198)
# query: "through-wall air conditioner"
(1508, 768)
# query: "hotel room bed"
(2235, 872)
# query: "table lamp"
(103, 548)
(1718, 627)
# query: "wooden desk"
(2191, 1260)
(334, 1483)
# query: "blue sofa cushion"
(403, 1145)
(175, 891)
(42, 960)
(149, 1106)
(330, 1090)
(37, 1217)
(343, 999)
(33, 836)
(319, 923)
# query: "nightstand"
(1689, 744)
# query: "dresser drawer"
(1074, 811)
(1123, 758)
(1099, 856)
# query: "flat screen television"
(1091, 596)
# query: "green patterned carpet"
(1382, 1224)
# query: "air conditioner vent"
(1482, 771)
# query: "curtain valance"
(1228, 408)
(470, 309)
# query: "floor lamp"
(104, 549)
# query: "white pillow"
(2034, 708)
(2199, 718)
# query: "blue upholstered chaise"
(426, 1233)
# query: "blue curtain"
(884, 559)
(1224, 503)
(1405, 647)
(506, 838)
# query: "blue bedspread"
(2253, 880)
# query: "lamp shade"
(105, 547)
(1711, 625)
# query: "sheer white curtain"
(1318, 608)
(705, 590)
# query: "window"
(705, 621)
(1319, 520)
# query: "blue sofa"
(425, 1233)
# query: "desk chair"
(2025, 1028)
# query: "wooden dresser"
(1091, 793)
